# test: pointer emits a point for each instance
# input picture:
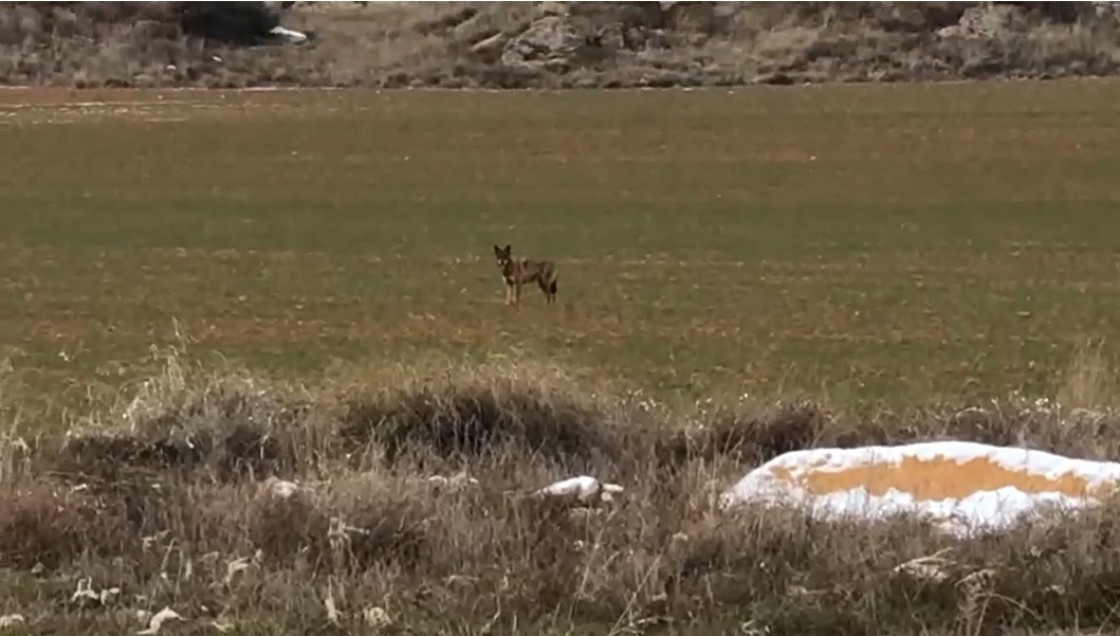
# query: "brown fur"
(518, 272)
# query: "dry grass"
(220, 545)
(1089, 381)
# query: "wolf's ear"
(508, 247)
(497, 250)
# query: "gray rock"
(987, 21)
(545, 9)
(550, 42)
(567, 36)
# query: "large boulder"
(961, 487)
(987, 21)
(564, 36)
(550, 42)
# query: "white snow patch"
(929, 568)
(281, 488)
(293, 37)
(457, 481)
(997, 505)
(377, 617)
(584, 488)
(237, 565)
(157, 621)
(85, 592)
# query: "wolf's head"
(503, 256)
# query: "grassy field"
(860, 242)
(863, 246)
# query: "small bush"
(38, 526)
(747, 438)
(235, 432)
(478, 422)
(50, 525)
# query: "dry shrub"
(549, 555)
(478, 422)
(286, 528)
(112, 454)
(1016, 421)
(380, 522)
(233, 430)
(355, 523)
(748, 437)
(1089, 381)
(797, 574)
(44, 523)
(36, 527)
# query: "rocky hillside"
(550, 44)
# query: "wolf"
(520, 271)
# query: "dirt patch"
(55, 106)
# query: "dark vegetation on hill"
(549, 44)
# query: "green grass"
(855, 243)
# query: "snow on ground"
(583, 488)
(288, 35)
(962, 486)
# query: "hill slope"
(550, 44)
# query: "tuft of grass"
(38, 526)
(1089, 382)
(473, 422)
(748, 436)
(47, 523)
